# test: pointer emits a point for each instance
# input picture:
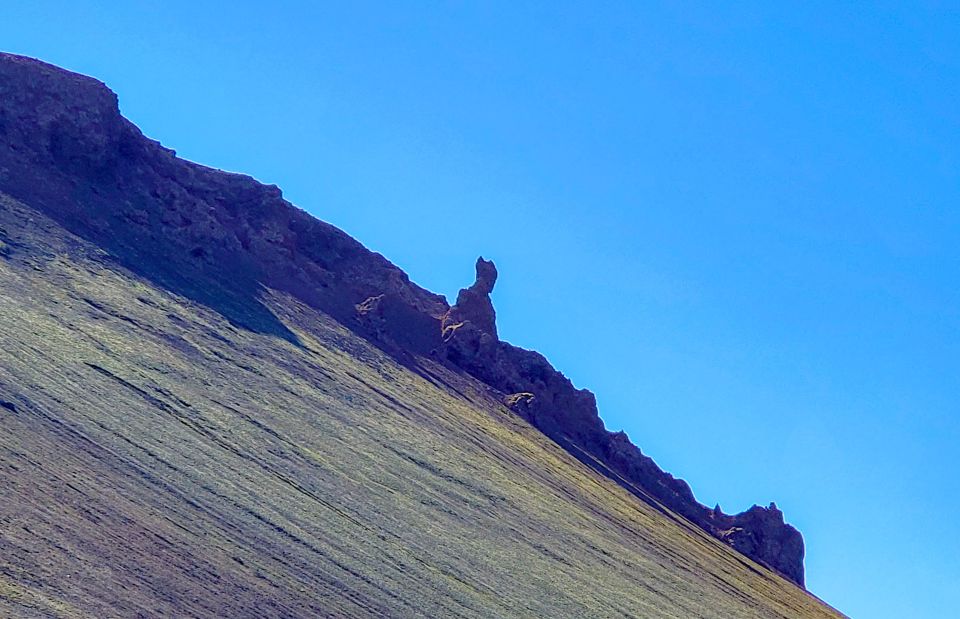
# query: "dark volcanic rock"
(215, 237)
(548, 399)
(469, 328)
(474, 306)
(761, 532)
(220, 239)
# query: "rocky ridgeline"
(546, 398)
(220, 238)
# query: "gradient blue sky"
(738, 223)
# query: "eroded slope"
(218, 239)
(158, 460)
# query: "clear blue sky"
(740, 227)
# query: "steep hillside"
(215, 405)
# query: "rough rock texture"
(547, 399)
(65, 148)
(474, 305)
(761, 532)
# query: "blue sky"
(736, 223)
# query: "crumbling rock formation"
(547, 399)
(761, 532)
(220, 239)
(469, 328)
(474, 305)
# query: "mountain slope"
(215, 405)
(156, 459)
(218, 238)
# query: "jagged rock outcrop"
(474, 307)
(761, 532)
(547, 399)
(220, 239)
(469, 328)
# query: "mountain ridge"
(220, 239)
(157, 460)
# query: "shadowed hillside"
(215, 405)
